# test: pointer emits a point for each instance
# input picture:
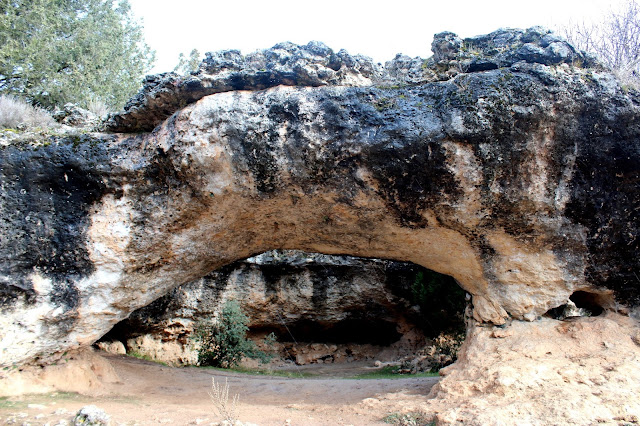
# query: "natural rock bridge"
(508, 161)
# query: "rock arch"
(324, 170)
(509, 161)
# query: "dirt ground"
(146, 393)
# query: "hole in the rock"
(590, 302)
(322, 309)
(582, 304)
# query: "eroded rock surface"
(579, 372)
(284, 64)
(512, 167)
(316, 65)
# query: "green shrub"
(224, 343)
(53, 52)
(441, 300)
(409, 419)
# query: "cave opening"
(372, 330)
(320, 308)
(588, 301)
(582, 303)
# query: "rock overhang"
(497, 175)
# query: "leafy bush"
(441, 300)
(15, 112)
(224, 343)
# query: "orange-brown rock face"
(581, 372)
(511, 164)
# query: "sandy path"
(149, 394)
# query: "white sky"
(373, 28)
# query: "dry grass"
(16, 113)
(228, 409)
(628, 78)
(98, 107)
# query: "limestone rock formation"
(548, 372)
(284, 64)
(317, 65)
(519, 181)
(511, 165)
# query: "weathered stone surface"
(284, 64)
(73, 115)
(519, 180)
(580, 372)
(500, 49)
(91, 415)
(81, 371)
(116, 347)
(317, 65)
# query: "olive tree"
(58, 51)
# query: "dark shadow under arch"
(341, 300)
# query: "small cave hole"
(581, 304)
(588, 302)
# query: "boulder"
(90, 415)
(113, 347)
(72, 115)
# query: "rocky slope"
(578, 372)
(507, 161)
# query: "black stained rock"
(315, 64)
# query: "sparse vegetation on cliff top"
(15, 113)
